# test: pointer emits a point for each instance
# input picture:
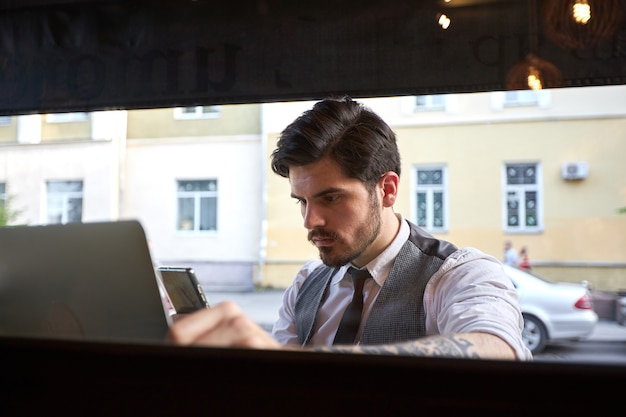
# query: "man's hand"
(223, 325)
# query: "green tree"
(7, 213)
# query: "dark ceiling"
(69, 55)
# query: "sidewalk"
(262, 306)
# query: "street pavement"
(262, 306)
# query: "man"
(510, 254)
(421, 296)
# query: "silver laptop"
(88, 281)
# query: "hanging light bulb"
(444, 21)
(579, 24)
(534, 79)
(581, 11)
(533, 73)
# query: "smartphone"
(183, 289)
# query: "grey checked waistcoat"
(398, 312)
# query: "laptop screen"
(91, 281)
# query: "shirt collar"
(380, 266)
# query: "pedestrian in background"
(524, 261)
(510, 254)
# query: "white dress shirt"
(469, 293)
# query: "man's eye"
(331, 198)
(300, 202)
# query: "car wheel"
(534, 335)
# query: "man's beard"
(366, 234)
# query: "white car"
(553, 311)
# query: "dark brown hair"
(346, 131)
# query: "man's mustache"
(322, 233)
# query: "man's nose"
(312, 217)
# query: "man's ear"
(389, 186)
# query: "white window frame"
(197, 112)
(63, 199)
(515, 98)
(516, 199)
(430, 102)
(430, 191)
(67, 117)
(520, 98)
(194, 225)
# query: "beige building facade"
(473, 139)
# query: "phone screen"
(183, 289)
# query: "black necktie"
(346, 333)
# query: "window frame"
(65, 196)
(197, 196)
(430, 190)
(200, 112)
(70, 117)
(432, 102)
(519, 192)
(521, 98)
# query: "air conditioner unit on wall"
(574, 170)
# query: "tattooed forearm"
(438, 346)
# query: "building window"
(197, 205)
(430, 207)
(67, 117)
(522, 198)
(65, 201)
(196, 112)
(430, 102)
(521, 98)
(5, 120)
(540, 99)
